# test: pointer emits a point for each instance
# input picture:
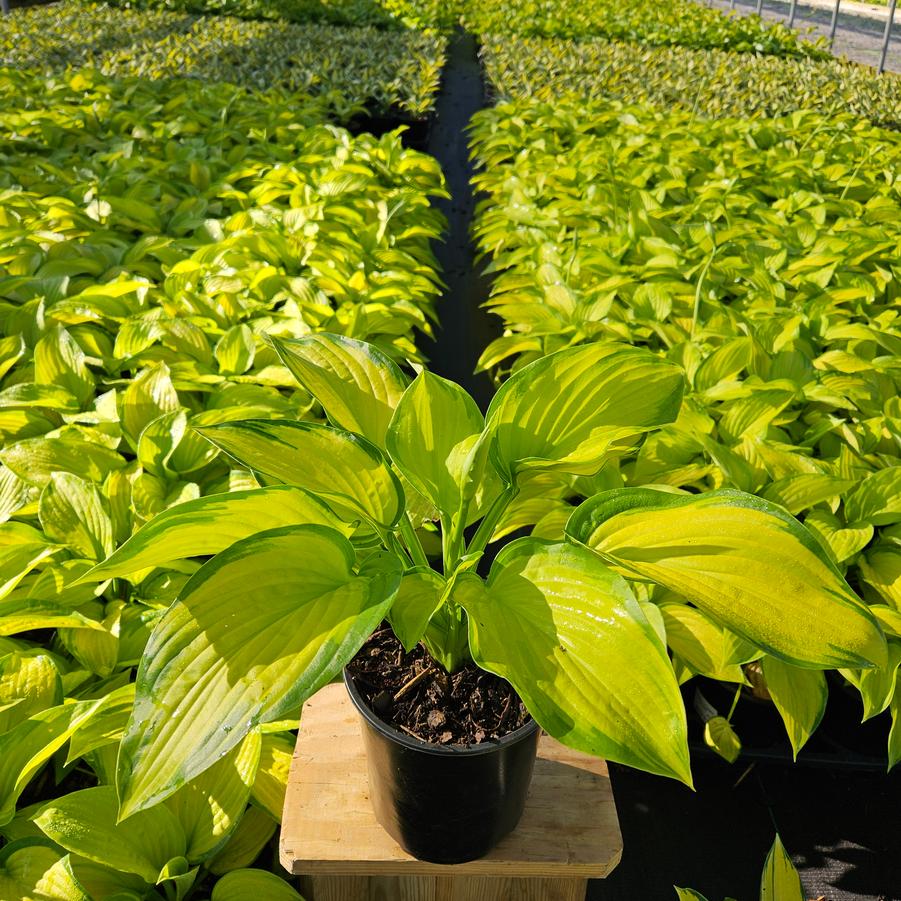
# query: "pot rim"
(425, 747)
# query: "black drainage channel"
(465, 329)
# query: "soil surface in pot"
(411, 692)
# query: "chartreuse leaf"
(877, 500)
(889, 619)
(58, 360)
(36, 459)
(210, 805)
(73, 512)
(720, 736)
(780, 880)
(881, 570)
(687, 894)
(356, 384)
(30, 744)
(432, 437)
(894, 736)
(800, 696)
(235, 351)
(565, 410)
(271, 780)
(700, 643)
(23, 615)
(342, 467)
(569, 636)
(84, 823)
(99, 881)
(210, 524)
(29, 683)
(106, 726)
(876, 686)
(252, 885)
(149, 395)
(22, 548)
(30, 871)
(244, 846)
(725, 551)
(418, 597)
(255, 632)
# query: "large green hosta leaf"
(565, 410)
(34, 872)
(357, 385)
(84, 823)
(342, 467)
(30, 744)
(252, 885)
(257, 630)
(210, 806)
(433, 440)
(742, 560)
(210, 524)
(569, 636)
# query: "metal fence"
(833, 25)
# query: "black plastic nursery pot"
(445, 804)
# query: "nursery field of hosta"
(225, 462)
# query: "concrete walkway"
(860, 26)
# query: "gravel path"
(858, 38)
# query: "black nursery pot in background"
(445, 804)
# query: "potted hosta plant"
(385, 514)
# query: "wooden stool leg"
(440, 888)
(496, 888)
(334, 888)
(368, 888)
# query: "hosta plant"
(779, 880)
(305, 567)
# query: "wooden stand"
(568, 834)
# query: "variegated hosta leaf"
(257, 630)
(721, 738)
(29, 683)
(780, 880)
(435, 440)
(742, 560)
(569, 636)
(210, 806)
(246, 843)
(703, 645)
(73, 513)
(106, 726)
(877, 500)
(876, 686)
(33, 872)
(84, 823)
(252, 885)
(349, 471)
(30, 744)
(565, 410)
(210, 524)
(417, 599)
(356, 384)
(800, 696)
(271, 780)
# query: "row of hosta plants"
(151, 239)
(389, 14)
(762, 256)
(351, 68)
(711, 83)
(676, 23)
